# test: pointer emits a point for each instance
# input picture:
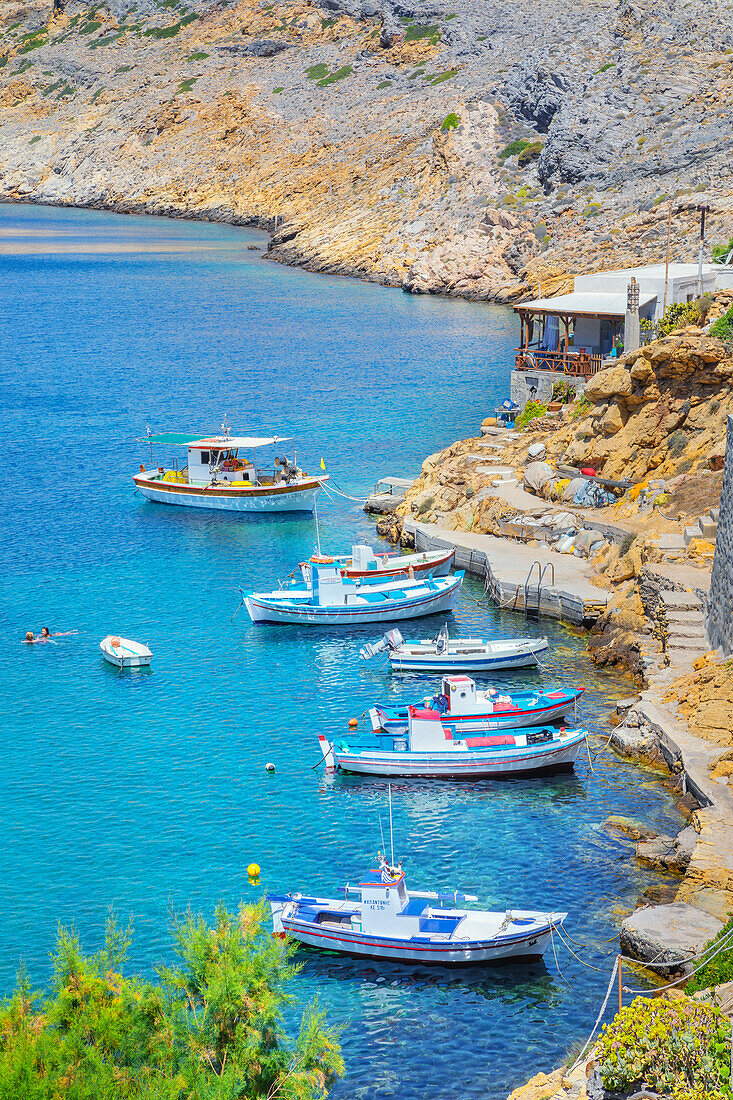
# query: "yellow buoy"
(353, 723)
(253, 870)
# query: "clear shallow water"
(148, 791)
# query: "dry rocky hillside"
(473, 149)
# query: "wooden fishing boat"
(334, 600)
(219, 474)
(124, 653)
(444, 654)
(428, 748)
(363, 563)
(379, 919)
(464, 709)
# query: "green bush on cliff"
(680, 1049)
(451, 121)
(531, 411)
(723, 327)
(513, 149)
(416, 32)
(530, 152)
(721, 251)
(210, 1027)
(719, 969)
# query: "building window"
(204, 458)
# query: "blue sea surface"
(148, 791)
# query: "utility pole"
(666, 269)
(703, 212)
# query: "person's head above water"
(45, 632)
(29, 636)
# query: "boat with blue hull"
(462, 708)
(379, 919)
(335, 600)
(428, 749)
(445, 654)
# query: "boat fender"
(142, 468)
(269, 766)
(353, 723)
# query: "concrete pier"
(566, 591)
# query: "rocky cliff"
(473, 149)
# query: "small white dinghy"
(124, 653)
(444, 654)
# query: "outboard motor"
(391, 640)
(441, 639)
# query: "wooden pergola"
(566, 359)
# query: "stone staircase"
(706, 527)
(681, 618)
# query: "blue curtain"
(551, 335)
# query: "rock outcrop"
(667, 935)
(448, 147)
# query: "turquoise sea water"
(148, 791)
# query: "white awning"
(584, 303)
(213, 442)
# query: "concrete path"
(566, 591)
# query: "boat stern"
(327, 749)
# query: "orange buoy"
(142, 468)
(353, 723)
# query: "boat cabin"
(222, 460)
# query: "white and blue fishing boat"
(428, 748)
(335, 600)
(445, 654)
(462, 708)
(379, 919)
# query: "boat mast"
(391, 835)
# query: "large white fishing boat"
(379, 919)
(334, 600)
(220, 472)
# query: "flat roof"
(653, 271)
(183, 439)
(584, 303)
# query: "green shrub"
(276, 91)
(680, 314)
(210, 1025)
(720, 251)
(198, 56)
(172, 30)
(186, 85)
(563, 391)
(513, 149)
(451, 121)
(415, 32)
(680, 1049)
(581, 407)
(607, 66)
(339, 74)
(447, 75)
(677, 442)
(723, 327)
(317, 72)
(122, 69)
(719, 969)
(530, 152)
(531, 411)
(34, 139)
(384, 84)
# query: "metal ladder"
(541, 570)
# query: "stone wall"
(543, 381)
(720, 607)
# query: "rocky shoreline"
(445, 149)
(655, 423)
